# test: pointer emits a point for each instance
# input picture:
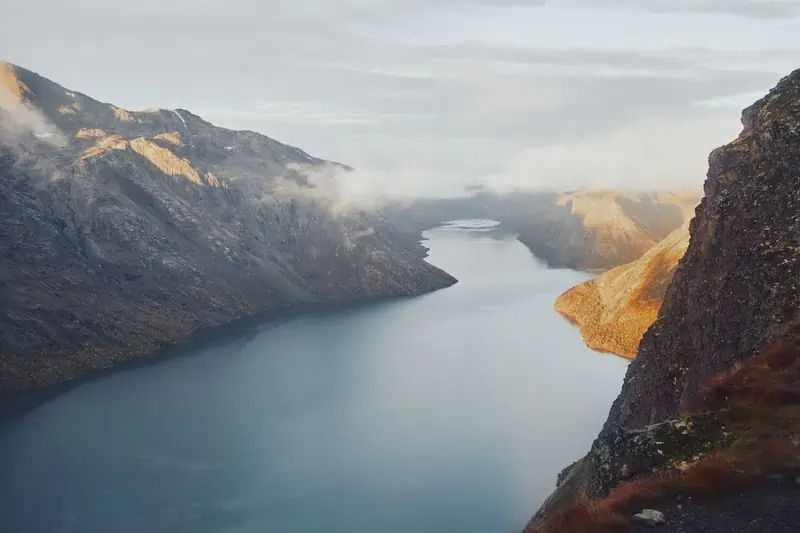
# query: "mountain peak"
(16, 91)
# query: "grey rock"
(650, 517)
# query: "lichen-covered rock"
(122, 232)
(619, 455)
(739, 282)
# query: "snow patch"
(45, 135)
(71, 94)
(229, 147)
(180, 117)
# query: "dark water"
(450, 412)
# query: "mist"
(21, 126)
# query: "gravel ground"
(771, 508)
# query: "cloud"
(22, 127)
(745, 8)
(648, 154)
(418, 95)
(345, 191)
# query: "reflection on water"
(449, 412)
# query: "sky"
(427, 97)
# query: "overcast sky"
(427, 96)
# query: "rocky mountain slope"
(614, 309)
(588, 230)
(736, 289)
(122, 232)
(601, 229)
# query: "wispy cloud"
(22, 126)
(432, 94)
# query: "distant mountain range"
(587, 230)
(123, 232)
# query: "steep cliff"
(614, 309)
(737, 287)
(122, 232)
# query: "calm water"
(451, 412)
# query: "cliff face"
(122, 232)
(737, 287)
(614, 309)
(739, 282)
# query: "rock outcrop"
(614, 309)
(736, 288)
(122, 232)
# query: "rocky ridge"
(735, 290)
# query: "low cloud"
(745, 8)
(21, 126)
(345, 191)
(335, 187)
(648, 154)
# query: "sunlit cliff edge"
(614, 309)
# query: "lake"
(451, 412)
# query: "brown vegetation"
(9, 80)
(69, 109)
(172, 137)
(760, 402)
(123, 115)
(166, 161)
(90, 133)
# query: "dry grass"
(17, 90)
(90, 133)
(69, 109)
(172, 137)
(163, 158)
(123, 115)
(111, 142)
(760, 402)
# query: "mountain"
(601, 229)
(614, 309)
(699, 400)
(587, 229)
(123, 232)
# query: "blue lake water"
(449, 412)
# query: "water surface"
(450, 412)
